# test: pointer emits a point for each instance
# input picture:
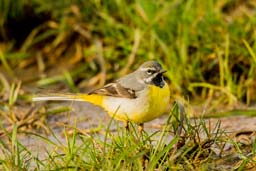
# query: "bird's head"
(151, 72)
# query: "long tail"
(94, 99)
(57, 97)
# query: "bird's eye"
(150, 72)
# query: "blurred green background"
(208, 47)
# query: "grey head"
(149, 73)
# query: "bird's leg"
(140, 128)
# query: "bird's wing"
(115, 90)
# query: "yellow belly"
(150, 104)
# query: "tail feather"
(91, 98)
(57, 97)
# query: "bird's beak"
(162, 71)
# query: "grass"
(194, 149)
(207, 47)
(203, 41)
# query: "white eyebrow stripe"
(144, 69)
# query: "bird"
(138, 97)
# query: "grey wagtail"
(139, 97)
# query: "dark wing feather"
(115, 90)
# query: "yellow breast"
(158, 99)
(150, 104)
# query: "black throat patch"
(158, 81)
